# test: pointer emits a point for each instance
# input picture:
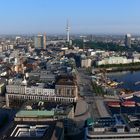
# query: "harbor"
(122, 83)
(121, 92)
(129, 101)
(130, 79)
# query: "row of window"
(114, 137)
(68, 91)
(42, 98)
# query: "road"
(101, 107)
(86, 91)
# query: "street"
(86, 91)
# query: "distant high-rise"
(128, 40)
(39, 43)
(44, 41)
(68, 32)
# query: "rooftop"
(35, 130)
(35, 113)
(66, 80)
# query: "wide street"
(87, 92)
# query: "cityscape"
(69, 70)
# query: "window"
(72, 92)
(68, 92)
(59, 91)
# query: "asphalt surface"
(81, 107)
(101, 108)
(87, 92)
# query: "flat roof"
(35, 113)
(90, 121)
(58, 130)
(66, 80)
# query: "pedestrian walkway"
(101, 108)
(81, 107)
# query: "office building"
(118, 127)
(128, 40)
(44, 41)
(38, 42)
(35, 130)
(66, 86)
(86, 63)
(65, 90)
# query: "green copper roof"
(90, 121)
(35, 113)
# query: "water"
(128, 78)
(127, 110)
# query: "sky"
(85, 16)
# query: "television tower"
(68, 32)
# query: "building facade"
(66, 86)
(115, 60)
(44, 41)
(86, 63)
(128, 40)
(38, 42)
(66, 90)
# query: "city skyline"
(69, 69)
(97, 17)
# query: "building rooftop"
(35, 130)
(114, 126)
(35, 113)
(57, 133)
(66, 80)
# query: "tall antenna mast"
(68, 32)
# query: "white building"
(39, 91)
(86, 62)
(114, 60)
(33, 90)
(17, 89)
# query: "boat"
(113, 104)
(127, 91)
(138, 104)
(128, 104)
(137, 83)
(137, 95)
(109, 69)
(121, 83)
(127, 97)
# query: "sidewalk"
(81, 107)
(101, 108)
